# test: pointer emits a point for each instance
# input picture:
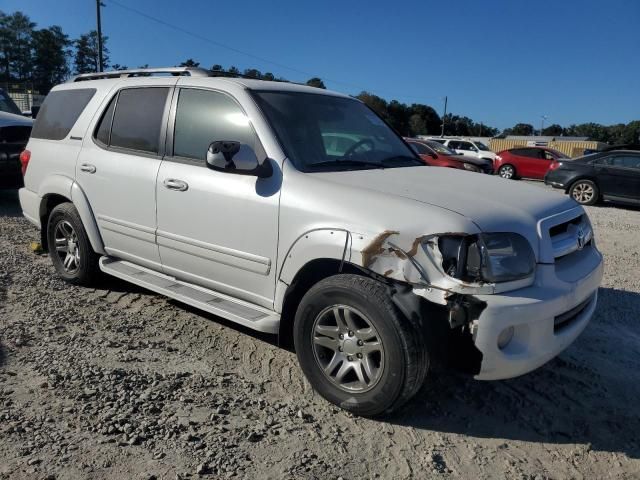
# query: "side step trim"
(238, 311)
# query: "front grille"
(570, 236)
(562, 321)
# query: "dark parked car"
(437, 155)
(612, 175)
(526, 162)
(14, 135)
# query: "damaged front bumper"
(538, 321)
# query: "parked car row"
(437, 155)
(612, 174)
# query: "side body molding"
(81, 203)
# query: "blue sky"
(498, 61)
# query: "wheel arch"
(62, 190)
(584, 176)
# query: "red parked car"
(526, 162)
(437, 155)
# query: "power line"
(233, 49)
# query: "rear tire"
(69, 246)
(585, 192)
(507, 171)
(355, 347)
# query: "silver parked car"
(229, 195)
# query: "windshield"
(323, 132)
(7, 105)
(439, 148)
(482, 146)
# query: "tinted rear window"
(59, 113)
(138, 119)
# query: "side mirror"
(235, 157)
(433, 155)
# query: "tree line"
(45, 57)
(619, 133)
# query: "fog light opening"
(505, 337)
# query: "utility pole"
(543, 117)
(444, 116)
(99, 22)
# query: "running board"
(238, 311)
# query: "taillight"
(555, 164)
(25, 156)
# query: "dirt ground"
(119, 383)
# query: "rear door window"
(60, 111)
(137, 121)
(454, 145)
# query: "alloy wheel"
(67, 248)
(506, 171)
(583, 193)
(347, 348)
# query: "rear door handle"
(87, 167)
(173, 184)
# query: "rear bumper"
(30, 203)
(546, 318)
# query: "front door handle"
(87, 167)
(173, 184)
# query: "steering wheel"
(352, 149)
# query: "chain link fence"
(23, 94)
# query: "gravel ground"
(119, 383)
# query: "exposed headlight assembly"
(487, 257)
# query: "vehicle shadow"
(587, 395)
(10, 204)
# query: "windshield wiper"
(350, 163)
(403, 158)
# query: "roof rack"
(143, 72)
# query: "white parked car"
(468, 147)
(228, 195)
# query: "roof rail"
(143, 72)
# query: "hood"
(492, 203)
(12, 120)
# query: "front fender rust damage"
(375, 247)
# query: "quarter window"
(137, 120)
(60, 111)
(203, 117)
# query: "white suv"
(224, 194)
(468, 147)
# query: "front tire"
(69, 246)
(585, 192)
(507, 171)
(355, 347)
